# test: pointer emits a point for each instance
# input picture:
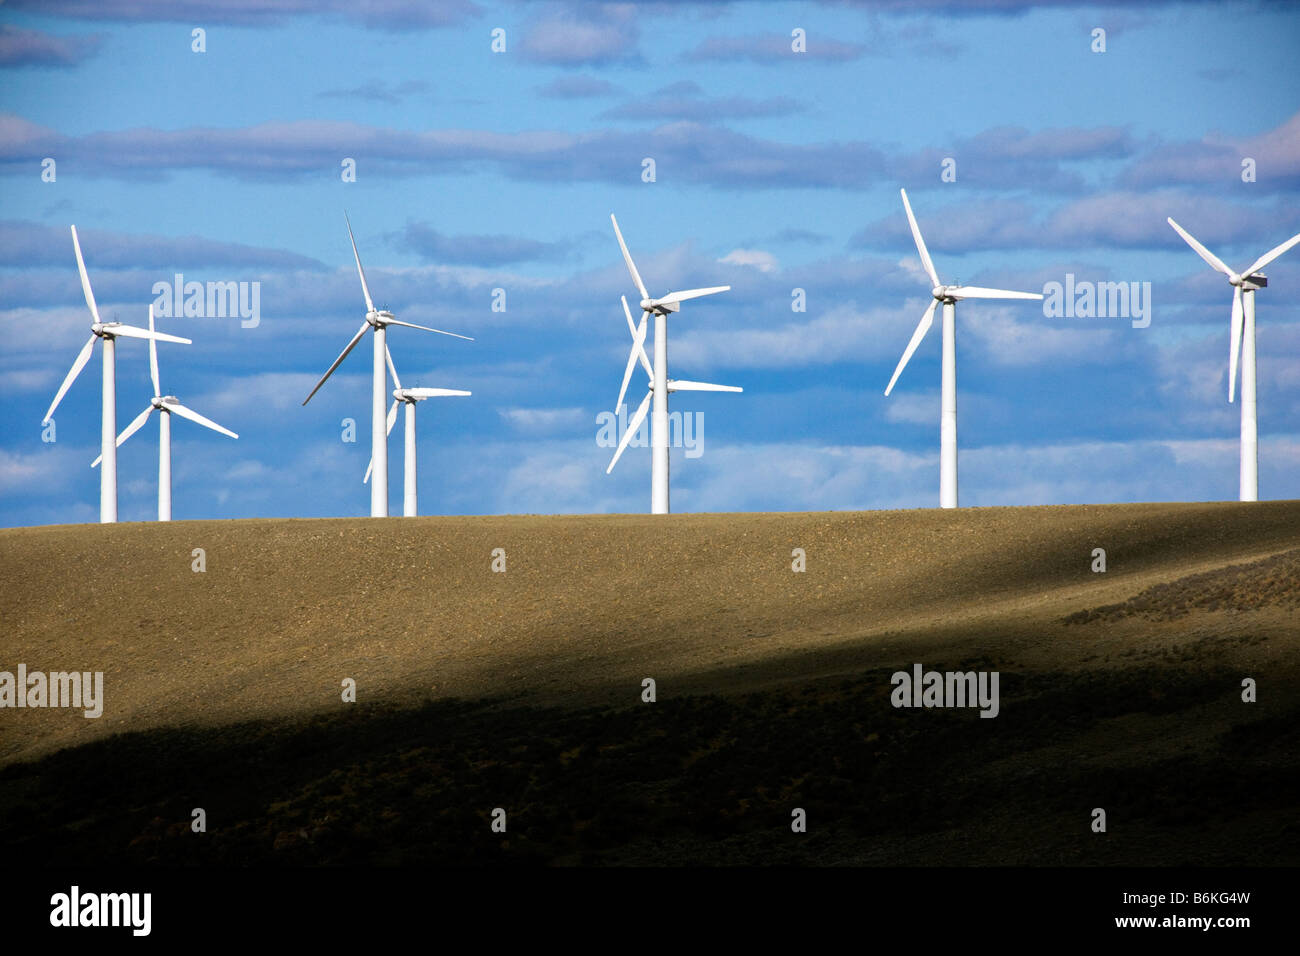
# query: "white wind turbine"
(107, 333)
(377, 321)
(408, 397)
(167, 405)
(949, 295)
(1242, 343)
(660, 384)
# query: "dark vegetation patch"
(1271, 582)
(705, 779)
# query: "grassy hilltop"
(522, 689)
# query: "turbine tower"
(408, 397)
(377, 321)
(660, 385)
(1242, 343)
(167, 405)
(949, 296)
(107, 333)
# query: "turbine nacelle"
(1248, 283)
(410, 395)
(379, 318)
(113, 330)
(657, 307)
(664, 304)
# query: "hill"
(522, 689)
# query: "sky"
(484, 181)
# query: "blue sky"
(774, 171)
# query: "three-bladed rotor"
(101, 330)
(1245, 281)
(375, 318)
(945, 294)
(408, 396)
(660, 308)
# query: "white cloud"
(842, 333)
(913, 408)
(545, 419)
(755, 258)
(1020, 335)
(40, 471)
(798, 477)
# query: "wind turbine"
(107, 333)
(408, 397)
(949, 296)
(1244, 284)
(660, 385)
(167, 405)
(377, 321)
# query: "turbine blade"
(674, 297)
(627, 377)
(392, 417)
(627, 257)
(684, 386)
(153, 356)
(342, 355)
(117, 329)
(195, 417)
(632, 426)
(1272, 254)
(922, 327)
(920, 243)
(370, 466)
(85, 279)
(397, 382)
(1214, 261)
(370, 306)
(1234, 348)
(436, 392)
(426, 328)
(638, 339)
(82, 358)
(136, 424)
(978, 292)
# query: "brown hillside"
(1195, 597)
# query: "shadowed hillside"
(523, 689)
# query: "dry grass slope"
(522, 689)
